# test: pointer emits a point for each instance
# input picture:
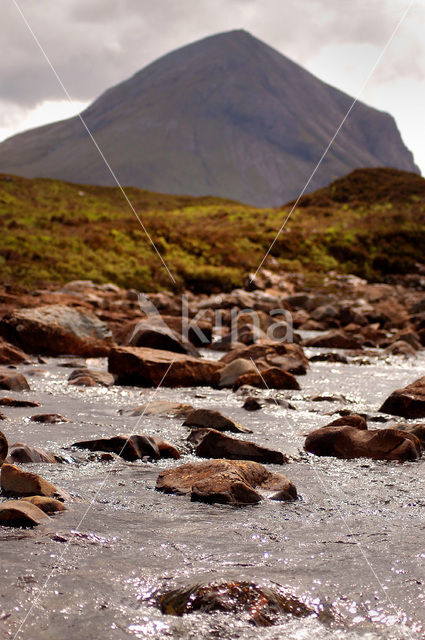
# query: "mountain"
(226, 116)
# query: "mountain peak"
(227, 115)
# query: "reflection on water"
(354, 540)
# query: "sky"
(94, 44)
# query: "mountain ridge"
(227, 116)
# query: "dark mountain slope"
(227, 116)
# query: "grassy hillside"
(371, 223)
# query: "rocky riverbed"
(347, 554)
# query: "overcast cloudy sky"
(94, 44)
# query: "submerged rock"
(353, 442)
(57, 330)
(251, 404)
(272, 378)
(132, 447)
(19, 513)
(213, 419)
(48, 418)
(224, 481)
(262, 605)
(11, 402)
(15, 482)
(151, 367)
(213, 444)
(408, 402)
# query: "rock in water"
(286, 356)
(89, 378)
(408, 402)
(213, 419)
(18, 513)
(4, 447)
(57, 330)
(22, 453)
(224, 481)
(151, 367)
(10, 354)
(350, 442)
(13, 381)
(233, 370)
(132, 447)
(15, 482)
(213, 444)
(48, 505)
(48, 418)
(272, 378)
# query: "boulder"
(48, 505)
(16, 482)
(251, 404)
(131, 447)
(213, 444)
(350, 442)
(10, 354)
(48, 418)
(287, 356)
(271, 378)
(224, 481)
(89, 378)
(155, 334)
(408, 402)
(262, 604)
(152, 367)
(13, 381)
(233, 370)
(213, 419)
(335, 340)
(22, 453)
(4, 447)
(19, 513)
(57, 330)
(416, 429)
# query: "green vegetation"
(371, 223)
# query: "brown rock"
(223, 481)
(18, 513)
(48, 418)
(15, 482)
(213, 444)
(48, 505)
(213, 419)
(351, 420)
(79, 377)
(10, 354)
(11, 402)
(233, 370)
(416, 429)
(160, 408)
(166, 450)
(57, 330)
(4, 447)
(153, 333)
(335, 340)
(13, 381)
(132, 447)
(350, 442)
(400, 348)
(289, 357)
(251, 404)
(152, 367)
(271, 378)
(408, 402)
(22, 453)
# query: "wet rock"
(90, 378)
(10, 354)
(131, 447)
(224, 481)
(157, 335)
(4, 447)
(160, 408)
(19, 513)
(417, 430)
(289, 357)
(13, 381)
(400, 348)
(351, 419)
(350, 442)
(166, 450)
(335, 340)
(329, 357)
(408, 402)
(233, 370)
(48, 418)
(150, 367)
(262, 605)
(213, 419)
(22, 453)
(213, 444)
(16, 482)
(251, 404)
(48, 505)
(11, 402)
(271, 378)
(57, 330)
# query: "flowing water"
(354, 540)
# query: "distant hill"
(370, 223)
(226, 116)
